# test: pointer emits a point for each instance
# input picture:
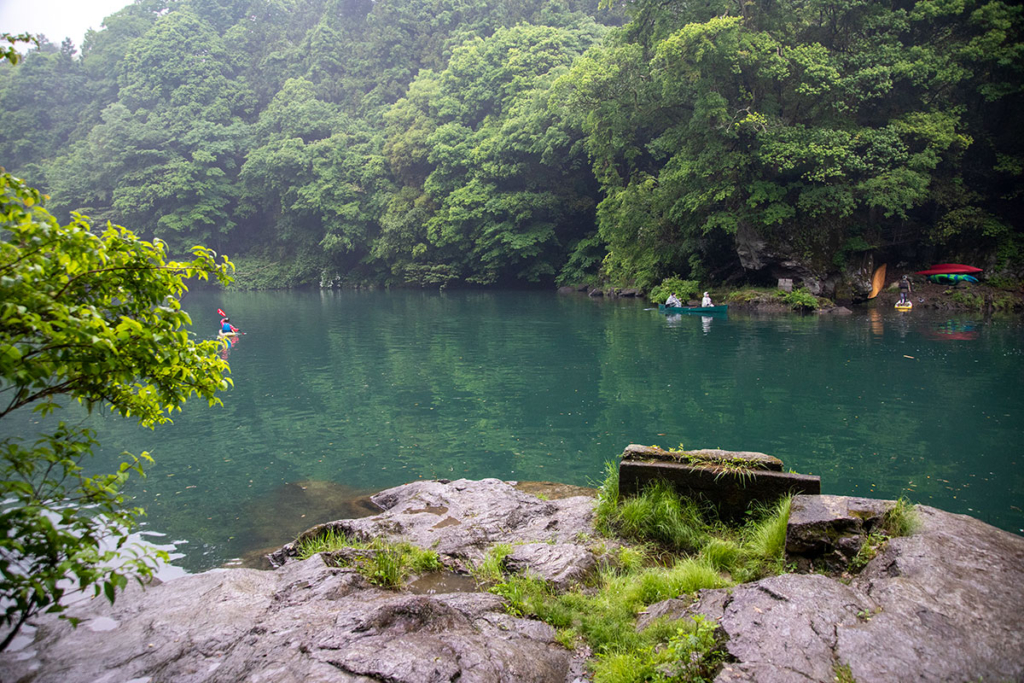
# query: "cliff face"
(942, 604)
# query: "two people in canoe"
(674, 302)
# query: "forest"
(537, 142)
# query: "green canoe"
(700, 310)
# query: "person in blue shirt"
(227, 329)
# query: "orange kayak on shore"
(877, 281)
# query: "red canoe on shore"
(949, 269)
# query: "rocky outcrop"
(943, 604)
(462, 519)
(310, 622)
(781, 260)
(304, 622)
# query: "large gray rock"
(830, 530)
(304, 622)
(462, 519)
(562, 566)
(944, 604)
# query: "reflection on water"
(951, 330)
(340, 394)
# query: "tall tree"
(487, 163)
(167, 154)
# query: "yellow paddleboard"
(904, 307)
(877, 281)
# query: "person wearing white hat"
(706, 302)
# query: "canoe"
(949, 269)
(700, 310)
(951, 278)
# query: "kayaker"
(905, 289)
(706, 301)
(227, 329)
(673, 301)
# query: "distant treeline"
(438, 142)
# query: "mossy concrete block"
(731, 491)
(710, 456)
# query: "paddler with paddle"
(227, 330)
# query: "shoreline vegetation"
(1001, 295)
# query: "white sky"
(56, 19)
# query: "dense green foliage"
(824, 128)
(95, 318)
(457, 141)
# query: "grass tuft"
(661, 516)
(382, 562)
(901, 519)
(492, 568)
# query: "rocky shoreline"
(943, 604)
(977, 298)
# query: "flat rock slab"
(944, 604)
(304, 622)
(462, 519)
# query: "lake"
(338, 394)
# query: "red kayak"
(949, 269)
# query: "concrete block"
(730, 491)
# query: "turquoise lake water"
(341, 394)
